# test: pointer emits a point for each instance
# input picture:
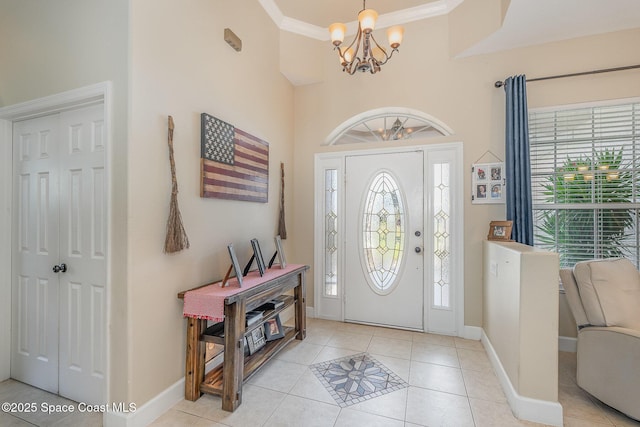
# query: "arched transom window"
(387, 124)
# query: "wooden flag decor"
(234, 164)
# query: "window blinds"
(585, 177)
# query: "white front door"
(59, 319)
(384, 265)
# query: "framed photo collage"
(487, 183)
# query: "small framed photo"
(279, 253)
(481, 191)
(481, 173)
(500, 230)
(273, 329)
(256, 340)
(234, 266)
(257, 253)
(496, 173)
(496, 191)
(487, 183)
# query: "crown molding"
(273, 11)
(428, 10)
(304, 29)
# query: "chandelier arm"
(380, 47)
(362, 56)
(387, 56)
(356, 41)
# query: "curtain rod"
(500, 83)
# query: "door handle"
(60, 268)
(418, 249)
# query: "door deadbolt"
(418, 249)
(418, 234)
(60, 268)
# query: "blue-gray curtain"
(517, 164)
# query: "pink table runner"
(207, 302)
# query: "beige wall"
(459, 92)
(183, 67)
(520, 286)
(173, 61)
(52, 47)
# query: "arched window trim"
(390, 112)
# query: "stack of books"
(253, 317)
(272, 304)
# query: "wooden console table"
(227, 378)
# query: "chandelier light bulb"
(337, 31)
(367, 19)
(348, 55)
(395, 34)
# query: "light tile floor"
(451, 383)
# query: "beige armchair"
(604, 297)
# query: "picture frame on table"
(500, 230)
(235, 265)
(256, 340)
(273, 329)
(257, 253)
(279, 253)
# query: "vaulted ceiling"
(527, 22)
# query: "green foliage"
(587, 233)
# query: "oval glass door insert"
(383, 232)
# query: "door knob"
(60, 268)
(418, 249)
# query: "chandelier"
(364, 53)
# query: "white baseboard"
(471, 332)
(311, 311)
(568, 344)
(145, 414)
(524, 408)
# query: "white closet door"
(59, 318)
(83, 248)
(34, 357)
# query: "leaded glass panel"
(441, 236)
(383, 232)
(331, 232)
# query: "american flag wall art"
(234, 164)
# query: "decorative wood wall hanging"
(176, 238)
(234, 164)
(282, 227)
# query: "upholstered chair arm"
(609, 366)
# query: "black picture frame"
(273, 329)
(257, 253)
(279, 253)
(235, 265)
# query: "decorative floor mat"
(354, 379)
